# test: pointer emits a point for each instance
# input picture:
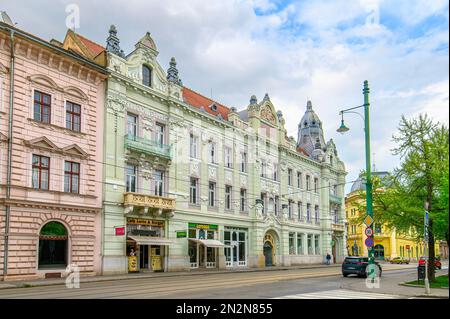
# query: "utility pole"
(427, 284)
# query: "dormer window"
(213, 107)
(146, 76)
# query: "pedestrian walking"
(328, 258)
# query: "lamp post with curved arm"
(369, 206)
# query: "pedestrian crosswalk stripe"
(339, 294)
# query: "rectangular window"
(300, 211)
(244, 162)
(212, 194)
(71, 177)
(212, 152)
(316, 185)
(290, 209)
(42, 107)
(291, 244)
(40, 167)
(377, 228)
(193, 191)
(289, 176)
(243, 206)
(316, 214)
(277, 205)
(299, 180)
(308, 213)
(228, 193)
(131, 178)
(263, 169)
(158, 177)
(132, 125)
(228, 157)
(317, 245)
(299, 244)
(73, 116)
(263, 199)
(308, 182)
(193, 146)
(275, 172)
(310, 245)
(160, 132)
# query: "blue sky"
(321, 50)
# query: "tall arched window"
(53, 246)
(146, 76)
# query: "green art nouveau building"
(190, 183)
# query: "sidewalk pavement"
(393, 286)
(61, 281)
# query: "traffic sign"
(369, 232)
(369, 242)
(368, 220)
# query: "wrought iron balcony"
(335, 199)
(148, 203)
(143, 145)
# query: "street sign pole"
(427, 284)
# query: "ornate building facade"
(51, 109)
(190, 183)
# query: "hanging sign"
(181, 234)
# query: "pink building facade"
(51, 172)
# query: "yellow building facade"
(388, 243)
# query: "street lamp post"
(369, 208)
(426, 282)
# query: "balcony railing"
(150, 201)
(143, 145)
(338, 227)
(335, 199)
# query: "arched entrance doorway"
(269, 250)
(379, 251)
(53, 246)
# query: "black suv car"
(357, 266)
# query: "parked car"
(437, 262)
(399, 260)
(357, 266)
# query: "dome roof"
(360, 183)
(310, 118)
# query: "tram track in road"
(165, 286)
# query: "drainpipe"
(8, 176)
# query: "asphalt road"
(245, 285)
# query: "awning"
(208, 242)
(154, 241)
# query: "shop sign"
(203, 226)
(120, 231)
(181, 234)
(132, 263)
(148, 222)
(144, 232)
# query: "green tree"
(398, 201)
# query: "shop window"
(53, 246)
(192, 233)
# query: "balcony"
(335, 199)
(338, 227)
(144, 204)
(146, 146)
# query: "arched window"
(53, 246)
(146, 76)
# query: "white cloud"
(321, 50)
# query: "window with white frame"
(131, 178)
(308, 212)
(211, 194)
(275, 171)
(291, 243)
(244, 162)
(289, 176)
(308, 182)
(290, 208)
(228, 196)
(212, 152)
(132, 125)
(160, 132)
(316, 185)
(316, 214)
(299, 180)
(158, 177)
(317, 244)
(277, 205)
(193, 146)
(310, 245)
(300, 211)
(193, 192)
(243, 200)
(228, 157)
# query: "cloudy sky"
(294, 50)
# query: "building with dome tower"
(191, 183)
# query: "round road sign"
(369, 242)
(369, 231)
